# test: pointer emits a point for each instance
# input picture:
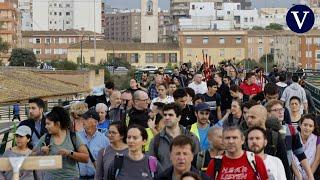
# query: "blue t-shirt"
(203, 133)
(103, 127)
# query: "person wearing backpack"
(160, 145)
(61, 141)
(257, 141)
(181, 155)
(202, 159)
(117, 134)
(291, 136)
(94, 140)
(236, 163)
(135, 164)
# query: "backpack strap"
(252, 161)
(117, 165)
(201, 156)
(217, 166)
(153, 164)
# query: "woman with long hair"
(309, 134)
(117, 134)
(22, 148)
(61, 141)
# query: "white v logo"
(295, 14)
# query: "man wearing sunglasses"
(139, 113)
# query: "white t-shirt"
(199, 88)
(275, 168)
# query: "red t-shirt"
(238, 168)
(250, 89)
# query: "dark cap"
(202, 107)
(91, 113)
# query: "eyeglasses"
(277, 110)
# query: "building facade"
(216, 46)
(149, 21)
(53, 45)
(10, 28)
(65, 15)
(25, 7)
(137, 54)
(310, 49)
(260, 42)
(123, 26)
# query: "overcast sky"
(164, 4)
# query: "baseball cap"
(23, 131)
(202, 107)
(91, 113)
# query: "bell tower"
(149, 21)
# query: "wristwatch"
(71, 153)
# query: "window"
(189, 52)
(60, 13)
(221, 52)
(260, 40)
(60, 5)
(149, 58)
(30, 40)
(37, 51)
(238, 52)
(173, 57)
(47, 51)
(260, 51)
(72, 40)
(309, 54)
(205, 40)
(67, 13)
(250, 51)
(250, 40)
(67, 5)
(56, 40)
(221, 40)
(67, 22)
(38, 40)
(193, 6)
(316, 41)
(92, 60)
(238, 40)
(245, 19)
(161, 58)
(189, 40)
(251, 19)
(309, 41)
(48, 40)
(55, 13)
(318, 55)
(62, 40)
(135, 58)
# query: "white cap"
(23, 131)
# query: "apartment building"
(137, 54)
(53, 45)
(215, 45)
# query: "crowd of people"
(194, 124)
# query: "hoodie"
(294, 90)
(282, 86)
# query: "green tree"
(64, 65)
(270, 61)
(23, 57)
(4, 46)
(274, 26)
(136, 40)
(257, 28)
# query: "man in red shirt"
(236, 163)
(249, 86)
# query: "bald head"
(257, 116)
(141, 100)
(115, 98)
(215, 138)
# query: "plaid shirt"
(152, 91)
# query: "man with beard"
(36, 121)
(257, 141)
(236, 163)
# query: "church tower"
(149, 21)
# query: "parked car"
(121, 68)
(151, 69)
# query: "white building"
(25, 10)
(149, 21)
(64, 15)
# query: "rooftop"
(18, 84)
(104, 44)
(72, 32)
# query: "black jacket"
(139, 117)
(31, 124)
(167, 174)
